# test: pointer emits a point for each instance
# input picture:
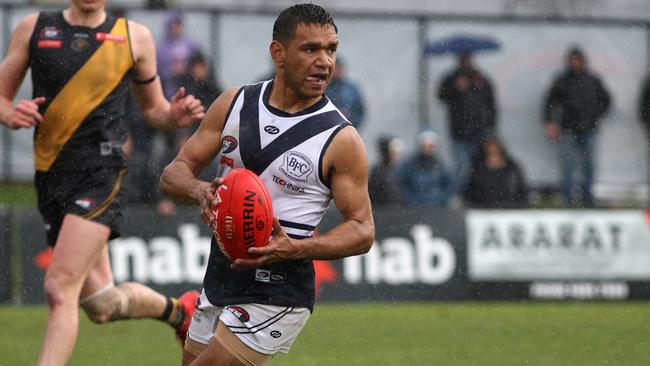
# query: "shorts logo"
(239, 312)
(296, 166)
(272, 130)
(228, 144)
(197, 315)
(276, 334)
(85, 203)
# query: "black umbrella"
(459, 44)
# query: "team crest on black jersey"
(80, 42)
(296, 166)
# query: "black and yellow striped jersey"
(83, 74)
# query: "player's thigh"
(224, 349)
(99, 276)
(79, 245)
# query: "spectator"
(574, 104)
(471, 112)
(346, 95)
(423, 177)
(174, 52)
(199, 81)
(496, 180)
(383, 184)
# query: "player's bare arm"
(178, 180)
(347, 163)
(182, 110)
(12, 72)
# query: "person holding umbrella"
(472, 112)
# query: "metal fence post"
(423, 75)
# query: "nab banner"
(418, 254)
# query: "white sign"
(558, 245)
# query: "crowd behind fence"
(384, 56)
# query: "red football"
(244, 217)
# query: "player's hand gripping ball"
(244, 216)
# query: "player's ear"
(278, 53)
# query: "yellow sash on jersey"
(94, 81)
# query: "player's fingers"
(259, 251)
(247, 263)
(207, 215)
(27, 116)
(277, 228)
(192, 104)
(39, 100)
(216, 182)
(180, 93)
(197, 116)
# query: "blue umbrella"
(459, 44)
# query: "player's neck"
(90, 19)
(286, 99)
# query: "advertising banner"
(558, 245)
(418, 255)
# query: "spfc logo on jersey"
(296, 166)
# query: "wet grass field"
(383, 334)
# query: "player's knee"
(110, 305)
(57, 288)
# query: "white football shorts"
(266, 329)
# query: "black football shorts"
(92, 193)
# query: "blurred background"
(382, 46)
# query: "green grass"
(18, 194)
(383, 334)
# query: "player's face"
(310, 59)
(88, 5)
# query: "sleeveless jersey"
(82, 73)
(286, 151)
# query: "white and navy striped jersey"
(286, 151)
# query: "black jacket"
(472, 113)
(496, 188)
(576, 101)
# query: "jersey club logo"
(228, 144)
(296, 166)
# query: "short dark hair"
(285, 25)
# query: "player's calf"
(108, 304)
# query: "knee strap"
(108, 304)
